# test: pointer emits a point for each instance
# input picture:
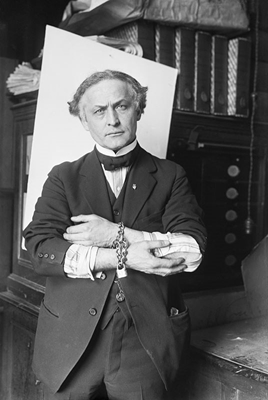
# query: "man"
(112, 239)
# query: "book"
(219, 75)
(239, 54)
(202, 81)
(165, 45)
(184, 62)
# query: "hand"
(141, 258)
(91, 230)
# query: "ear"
(138, 114)
(83, 120)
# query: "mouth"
(117, 133)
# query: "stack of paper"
(24, 79)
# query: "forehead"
(109, 90)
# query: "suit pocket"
(49, 310)
(181, 321)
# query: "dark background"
(22, 26)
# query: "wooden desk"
(230, 361)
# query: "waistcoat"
(112, 304)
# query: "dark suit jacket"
(162, 201)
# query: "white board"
(58, 136)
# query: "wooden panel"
(255, 277)
(6, 231)
(17, 379)
(262, 50)
(210, 308)
(241, 342)
(204, 388)
(7, 66)
(262, 80)
(218, 379)
(1, 341)
(261, 109)
(263, 14)
(245, 396)
(24, 281)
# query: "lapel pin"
(134, 186)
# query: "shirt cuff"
(80, 261)
(181, 246)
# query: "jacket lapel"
(140, 184)
(94, 187)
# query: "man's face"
(109, 113)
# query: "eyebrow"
(114, 104)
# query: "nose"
(112, 117)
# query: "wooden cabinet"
(229, 185)
(23, 282)
(24, 289)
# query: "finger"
(75, 229)
(175, 269)
(74, 236)
(169, 266)
(76, 239)
(81, 218)
(153, 244)
(174, 257)
(81, 242)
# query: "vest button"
(116, 212)
(92, 311)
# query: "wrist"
(105, 260)
(133, 236)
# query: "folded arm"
(178, 252)
(55, 239)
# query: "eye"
(122, 107)
(99, 111)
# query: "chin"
(117, 145)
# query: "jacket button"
(116, 212)
(46, 255)
(92, 311)
(40, 255)
(103, 276)
(52, 257)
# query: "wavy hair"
(139, 91)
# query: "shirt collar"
(120, 152)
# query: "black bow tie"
(111, 163)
